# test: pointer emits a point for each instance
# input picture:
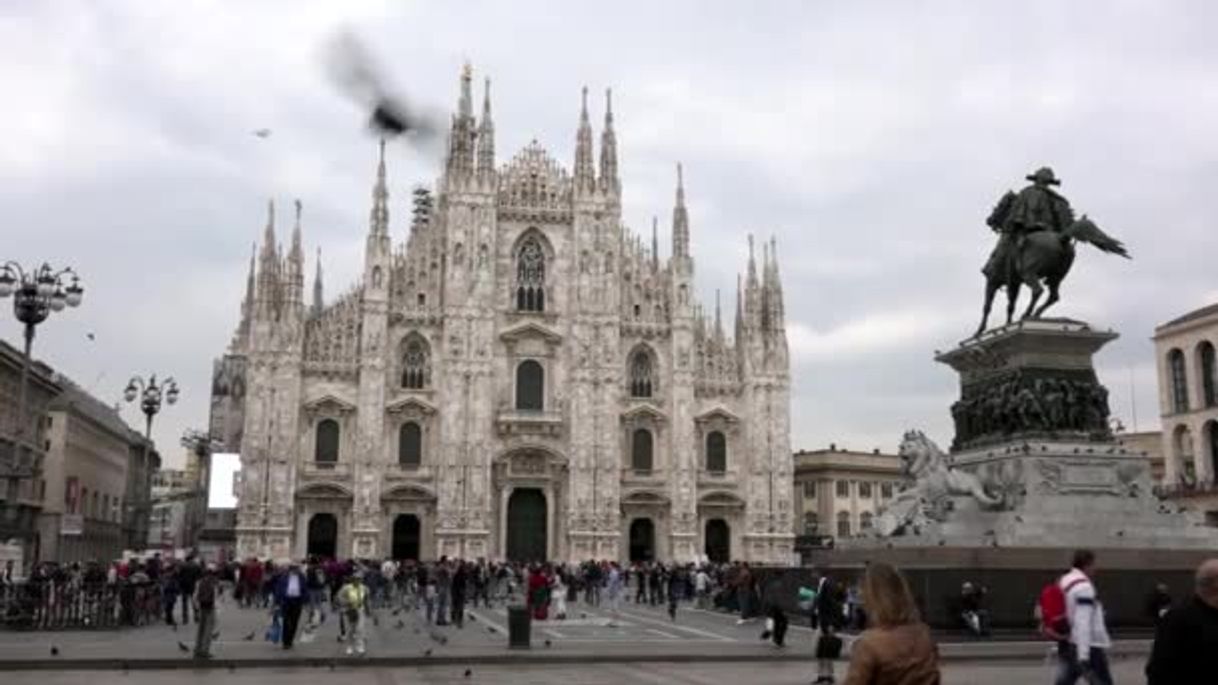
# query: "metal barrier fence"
(51, 606)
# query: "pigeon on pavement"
(54, 650)
(250, 637)
(182, 646)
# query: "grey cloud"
(871, 141)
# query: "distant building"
(218, 541)
(839, 492)
(1151, 443)
(83, 487)
(1188, 399)
(173, 496)
(19, 467)
(143, 463)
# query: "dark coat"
(1186, 645)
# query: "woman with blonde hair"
(896, 648)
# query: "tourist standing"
(1158, 604)
(1085, 653)
(204, 599)
(828, 618)
(289, 591)
(614, 588)
(896, 648)
(188, 575)
(702, 587)
(1186, 642)
(744, 592)
(353, 598)
(443, 591)
(460, 584)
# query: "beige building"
(1149, 443)
(20, 495)
(1188, 398)
(84, 479)
(839, 492)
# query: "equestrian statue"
(1037, 231)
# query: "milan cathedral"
(523, 378)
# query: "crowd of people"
(894, 648)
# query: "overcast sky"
(871, 138)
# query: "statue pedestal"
(1032, 379)
(1033, 463)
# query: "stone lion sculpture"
(935, 481)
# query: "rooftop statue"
(1037, 231)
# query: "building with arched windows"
(515, 375)
(1188, 402)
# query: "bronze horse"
(1040, 256)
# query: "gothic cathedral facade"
(522, 379)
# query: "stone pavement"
(771, 673)
(639, 633)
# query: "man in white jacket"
(1086, 654)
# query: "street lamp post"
(36, 293)
(150, 394)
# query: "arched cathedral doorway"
(406, 537)
(642, 540)
(718, 541)
(323, 536)
(526, 525)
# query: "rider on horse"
(1036, 208)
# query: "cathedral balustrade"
(530, 422)
(322, 471)
(718, 479)
(409, 473)
(643, 477)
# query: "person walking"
(896, 648)
(459, 589)
(353, 600)
(1186, 642)
(188, 575)
(289, 591)
(614, 588)
(1084, 654)
(827, 617)
(204, 601)
(676, 586)
(744, 593)
(702, 588)
(443, 591)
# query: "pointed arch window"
(410, 445)
(716, 452)
(325, 451)
(531, 276)
(642, 382)
(416, 370)
(641, 451)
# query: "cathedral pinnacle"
(317, 287)
(680, 219)
(585, 177)
(486, 135)
(609, 180)
(379, 216)
(655, 243)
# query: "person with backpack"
(204, 600)
(1071, 614)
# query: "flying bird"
(263, 133)
(356, 73)
(90, 336)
